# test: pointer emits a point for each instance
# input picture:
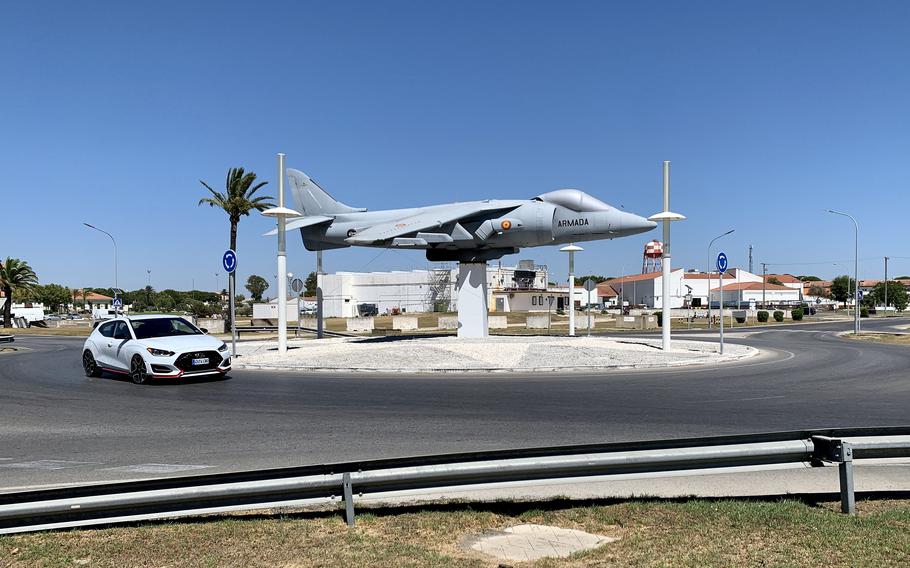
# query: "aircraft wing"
(301, 222)
(432, 219)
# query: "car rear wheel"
(89, 365)
(138, 373)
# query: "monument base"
(471, 288)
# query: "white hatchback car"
(159, 347)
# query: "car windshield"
(163, 327)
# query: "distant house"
(741, 294)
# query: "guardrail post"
(845, 469)
(349, 498)
(839, 452)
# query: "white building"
(743, 294)
(698, 284)
(509, 288)
(646, 289)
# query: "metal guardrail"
(193, 495)
(274, 328)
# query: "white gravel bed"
(493, 354)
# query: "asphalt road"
(57, 426)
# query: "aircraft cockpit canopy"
(573, 199)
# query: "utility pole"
(750, 259)
(764, 280)
(886, 285)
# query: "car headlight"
(159, 352)
(223, 347)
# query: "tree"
(842, 288)
(775, 280)
(897, 295)
(580, 280)
(237, 200)
(53, 295)
(310, 284)
(15, 276)
(257, 285)
(808, 278)
(148, 295)
(817, 291)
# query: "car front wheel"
(89, 365)
(138, 373)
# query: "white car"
(153, 347)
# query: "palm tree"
(15, 275)
(237, 200)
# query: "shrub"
(740, 319)
(797, 314)
(864, 312)
(778, 316)
(660, 318)
(763, 316)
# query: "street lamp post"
(666, 216)
(571, 249)
(720, 277)
(116, 283)
(282, 213)
(855, 268)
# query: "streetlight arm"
(113, 240)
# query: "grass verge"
(653, 533)
(890, 338)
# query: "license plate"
(201, 361)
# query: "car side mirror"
(203, 330)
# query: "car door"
(119, 355)
(105, 343)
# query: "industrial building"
(517, 288)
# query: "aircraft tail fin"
(310, 199)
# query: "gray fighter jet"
(471, 231)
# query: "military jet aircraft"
(470, 231)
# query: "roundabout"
(494, 354)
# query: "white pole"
(665, 263)
(282, 266)
(232, 292)
(721, 278)
(571, 294)
(319, 314)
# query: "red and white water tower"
(650, 261)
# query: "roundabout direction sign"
(721, 269)
(229, 263)
(721, 263)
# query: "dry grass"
(80, 331)
(891, 338)
(653, 533)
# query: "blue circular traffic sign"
(229, 261)
(721, 263)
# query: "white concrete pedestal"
(471, 288)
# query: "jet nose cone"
(636, 224)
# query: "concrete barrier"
(538, 321)
(211, 324)
(405, 323)
(448, 322)
(308, 321)
(359, 324)
(636, 322)
(497, 322)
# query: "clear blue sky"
(769, 111)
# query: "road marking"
(156, 468)
(738, 399)
(46, 465)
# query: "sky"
(770, 113)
